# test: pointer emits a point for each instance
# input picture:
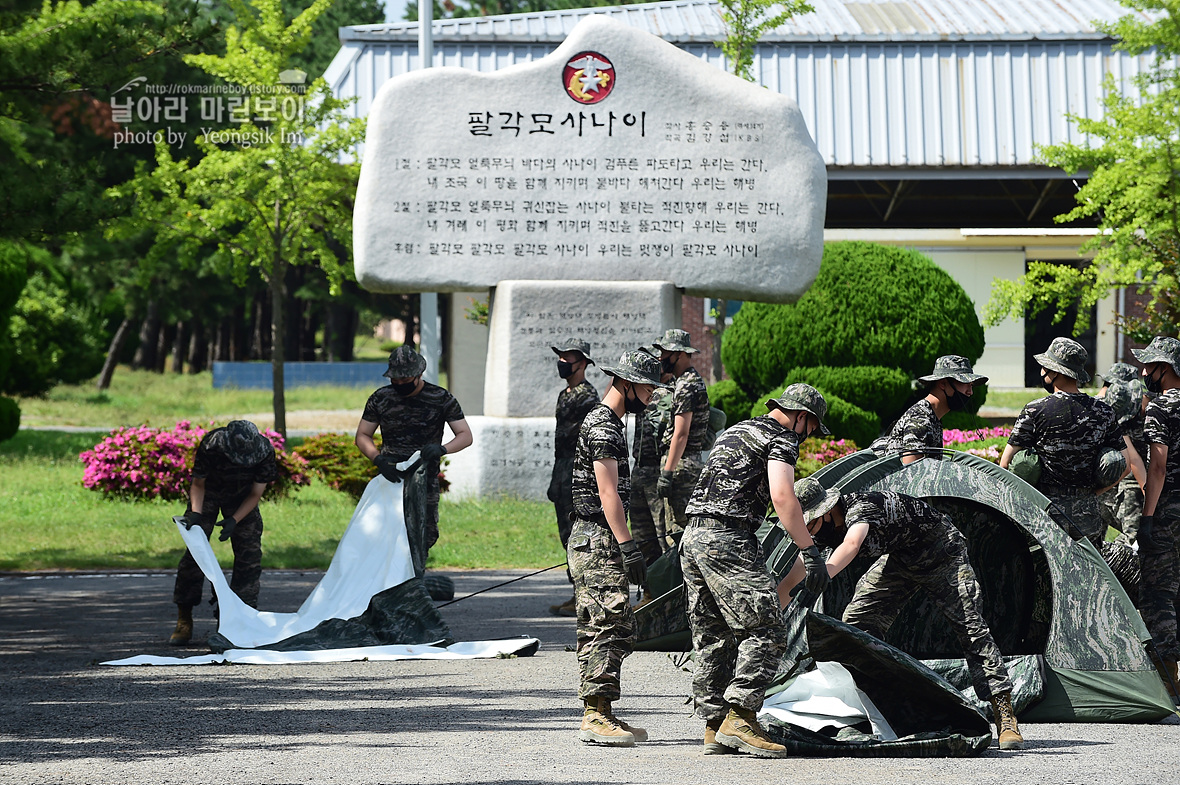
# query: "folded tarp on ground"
(472, 650)
(370, 604)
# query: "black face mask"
(958, 401)
(405, 388)
(806, 433)
(827, 534)
(1047, 383)
(1154, 382)
(668, 364)
(632, 404)
(565, 370)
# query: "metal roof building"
(928, 114)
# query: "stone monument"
(586, 190)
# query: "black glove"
(1146, 534)
(388, 468)
(817, 572)
(432, 452)
(227, 528)
(804, 597)
(664, 484)
(634, 563)
(192, 518)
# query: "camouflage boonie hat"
(404, 363)
(636, 366)
(1120, 372)
(1066, 356)
(1125, 398)
(676, 341)
(573, 345)
(1162, 349)
(1109, 468)
(241, 443)
(814, 499)
(801, 397)
(952, 366)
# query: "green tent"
(1073, 640)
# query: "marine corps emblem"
(588, 77)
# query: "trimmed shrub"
(13, 276)
(883, 391)
(9, 418)
(335, 459)
(727, 396)
(870, 305)
(844, 420)
(152, 463)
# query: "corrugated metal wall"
(893, 105)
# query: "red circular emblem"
(588, 77)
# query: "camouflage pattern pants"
(946, 575)
(561, 493)
(737, 630)
(247, 544)
(1121, 507)
(684, 482)
(1160, 578)
(647, 512)
(606, 624)
(1078, 515)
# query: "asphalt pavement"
(66, 719)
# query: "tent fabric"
(521, 647)
(1045, 595)
(1027, 673)
(928, 715)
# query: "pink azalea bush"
(816, 453)
(987, 443)
(153, 463)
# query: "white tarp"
(373, 555)
(456, 651)
(824, 698)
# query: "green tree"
(1132, 155)
(745, 23)
(275, 193)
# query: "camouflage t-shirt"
(602, 438)
(225, 479)
(734, 483)
(898, 524)
(1126, 400)
(1162, 426)
(919, 428)
(1067, 431)
(409, 424)
(644, 447)
(689, 395)
(572, 406)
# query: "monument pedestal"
(512, 452)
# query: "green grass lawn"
(49, 521)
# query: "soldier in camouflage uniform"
(738, 634)
(683, 442)
(603, 556)
(411, 412)
(232, 468)
(1160, 523)
(647, 508)
(926, 552)
(1068, 430)
(1124, 394)
(573, 403)
(918, 431)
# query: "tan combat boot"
(184, 626)
(599, 727)
(567, 608)
(639, 733)
(712, 746)
(740, 731)
(1005, 717)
